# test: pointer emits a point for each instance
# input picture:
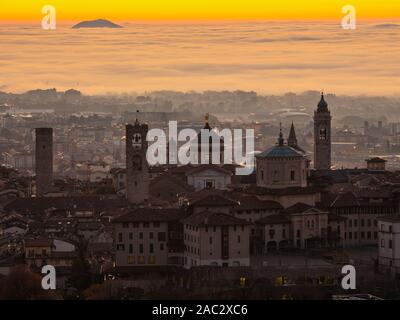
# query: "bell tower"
(322, 136)
(137, 169)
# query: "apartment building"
(216, 239)
(389, 244)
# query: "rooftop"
(208, 218)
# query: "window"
(130, 248)
(369, 234)
(375, 235)
(292, 175)
(120, 237)
(120, 247)
(262, 174)
(135, 225)
(390, 244)
(271, 233)
(350, 223)
(146, 224)
(125, 225)
(141, 248)
(130, 235)
(350, 235)
(161, 236)
(382, 243)
(362, 222)
(151, 235)
(368, 222)
(161, 246)
(140, 235)
(390, 228)
(151, 248)
(275, 176)
(298, 233)
(322, 134)
(283, 233)
(156, 224)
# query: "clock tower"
(322, 136)
(137, 170)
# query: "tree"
(81, 277)
(23, 284)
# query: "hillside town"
(78, 193)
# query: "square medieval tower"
(44, 160)
(137, 169)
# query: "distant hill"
(99, 23)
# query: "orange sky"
(175, 10)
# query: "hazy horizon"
(266, 57)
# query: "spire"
(322, 105)
(280, 139)
(137, 117)
(292, 140)
(206, 124)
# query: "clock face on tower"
(137, 141)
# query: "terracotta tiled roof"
(347, 199)
(274, 219)
(297, 208)
(67, 203)
(282, 191)
(253, 203)
(208, 218)
(38, 242)
(391, 218)
(214, 201)
(151, 214)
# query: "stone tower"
(44, 160)
(322, 136)
(137, 170)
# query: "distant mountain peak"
(99, 23)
